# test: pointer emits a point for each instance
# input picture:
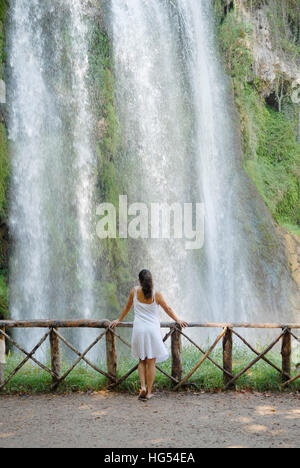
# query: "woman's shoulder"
(133, 290)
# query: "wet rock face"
(95, 10)
(269, 63)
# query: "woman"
(147, 343)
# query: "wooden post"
(176, 346)
(286, 352)
(111, 355)
(2, 356)
(227, 356)
(55, 355)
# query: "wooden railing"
(287, 334)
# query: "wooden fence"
(286, 335)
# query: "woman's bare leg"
(143, 375)
(151, 373)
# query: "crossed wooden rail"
(175, 333)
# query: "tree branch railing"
(228, 331)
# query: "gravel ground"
(180, 420)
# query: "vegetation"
(262, 377)
(268, 125)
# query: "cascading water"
(179, 134)
(179, 145)
(53, 164)
(155, 125)
(227, 281)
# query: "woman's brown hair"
(146, 281)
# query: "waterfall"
(180, 144)
(53, 162)
(180, 136)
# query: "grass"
(261, 377)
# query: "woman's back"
(145, 311)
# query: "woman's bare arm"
(126, 309)
(161, 301)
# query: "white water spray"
(53, 163)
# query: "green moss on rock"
(3, 8)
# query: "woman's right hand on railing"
(114, 324)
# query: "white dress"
(146, 337)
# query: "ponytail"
(146, 281)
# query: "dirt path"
(184, 420)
